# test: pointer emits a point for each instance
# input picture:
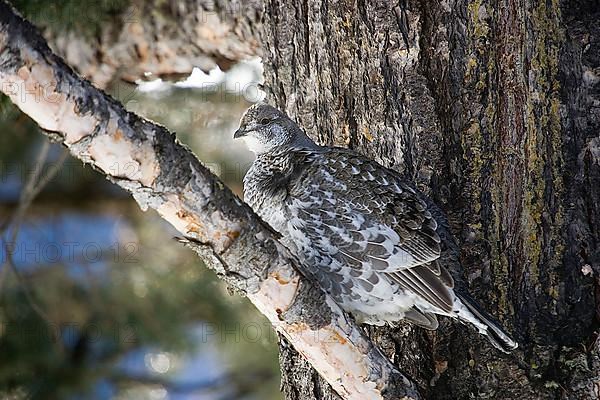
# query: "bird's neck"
(263, 183)
(302, 142)
(273, 170)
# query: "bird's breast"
(266, 199)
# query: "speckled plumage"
(366, 235)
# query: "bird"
(372, 241)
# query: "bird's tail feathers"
(473, 313)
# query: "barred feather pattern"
(362, 232)
(365, 235)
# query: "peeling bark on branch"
(160, 173)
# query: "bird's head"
(265, 128)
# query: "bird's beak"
(239, 133)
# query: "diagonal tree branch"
(160, 173)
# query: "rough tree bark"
(492, 107)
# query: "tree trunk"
(492, 108)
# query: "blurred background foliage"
(97, 300)
(71, 15)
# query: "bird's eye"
(265, 121)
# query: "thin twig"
(33, 187)
(52, 171)
(14, 221)
(25, 198)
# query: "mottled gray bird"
(380, 248)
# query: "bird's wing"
(363, 216)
